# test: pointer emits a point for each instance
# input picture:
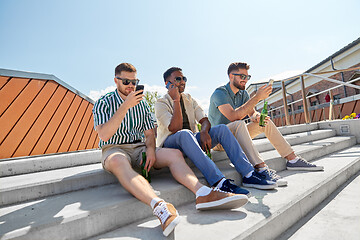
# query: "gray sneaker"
(302, 164)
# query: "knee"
(223, 128)
(176, 156)
(240, 123)
(185, 133)
(117, 161)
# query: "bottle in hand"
(263, 115)
(144, 172)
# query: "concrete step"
(81, 214)
(285, 130)
(15, 189)
(337, 217)
(310, 150)
(268, 213)
(22, 165)
(263, 144)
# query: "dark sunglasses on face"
(126, 81)
(178, 79)
(242, 76)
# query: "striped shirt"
(137, 119)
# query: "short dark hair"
(237, 66)
(170, 71)
(126, 67)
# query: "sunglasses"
(178, 79)
(126, 81)
(242, 76)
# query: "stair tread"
(263, 207)
(25, 187)
(338, 219)
(24, 180)
(78, 204)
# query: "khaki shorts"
(131, 151)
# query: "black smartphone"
(139, 87)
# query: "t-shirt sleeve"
(219, 97)
(100, 112)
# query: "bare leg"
(129, 179)
(173, 158)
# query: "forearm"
(108, 129)
(150, 142)
(205, 125)
(246, 109)
(176, 123)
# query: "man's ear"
(115, 80)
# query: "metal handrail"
(305, 98)
(315, 94)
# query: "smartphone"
(271, 81)
(168, 85)
(139, 87)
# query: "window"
(300, 107)
(313, 103)
(336, 97)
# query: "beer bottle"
(144, 172)
(263, 115)
(208, 153)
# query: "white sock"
(203, 191)
(155, 201)
(294, 160)
(220, 183)
(260, 170)
(249, 174)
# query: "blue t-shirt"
(224, 95)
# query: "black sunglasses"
(126, 81)
(178, 79)
(242, 76)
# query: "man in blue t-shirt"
(231, 103)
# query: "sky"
(82, 41)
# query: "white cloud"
(96, 94)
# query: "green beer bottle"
(144, 172)
(208, 153)
(263, 115)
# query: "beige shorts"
(132, 152)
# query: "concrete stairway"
(69, 196)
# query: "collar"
(230, 91)
(118, 97)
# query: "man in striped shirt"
(126, 129)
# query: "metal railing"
(305, 98)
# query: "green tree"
(150, 98)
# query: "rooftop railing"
(306, 109)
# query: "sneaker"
(302, 164)
(218, 199)
(256, 180)
(271, 175)
(168, 216)
(227, 186)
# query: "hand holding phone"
(139, 87)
